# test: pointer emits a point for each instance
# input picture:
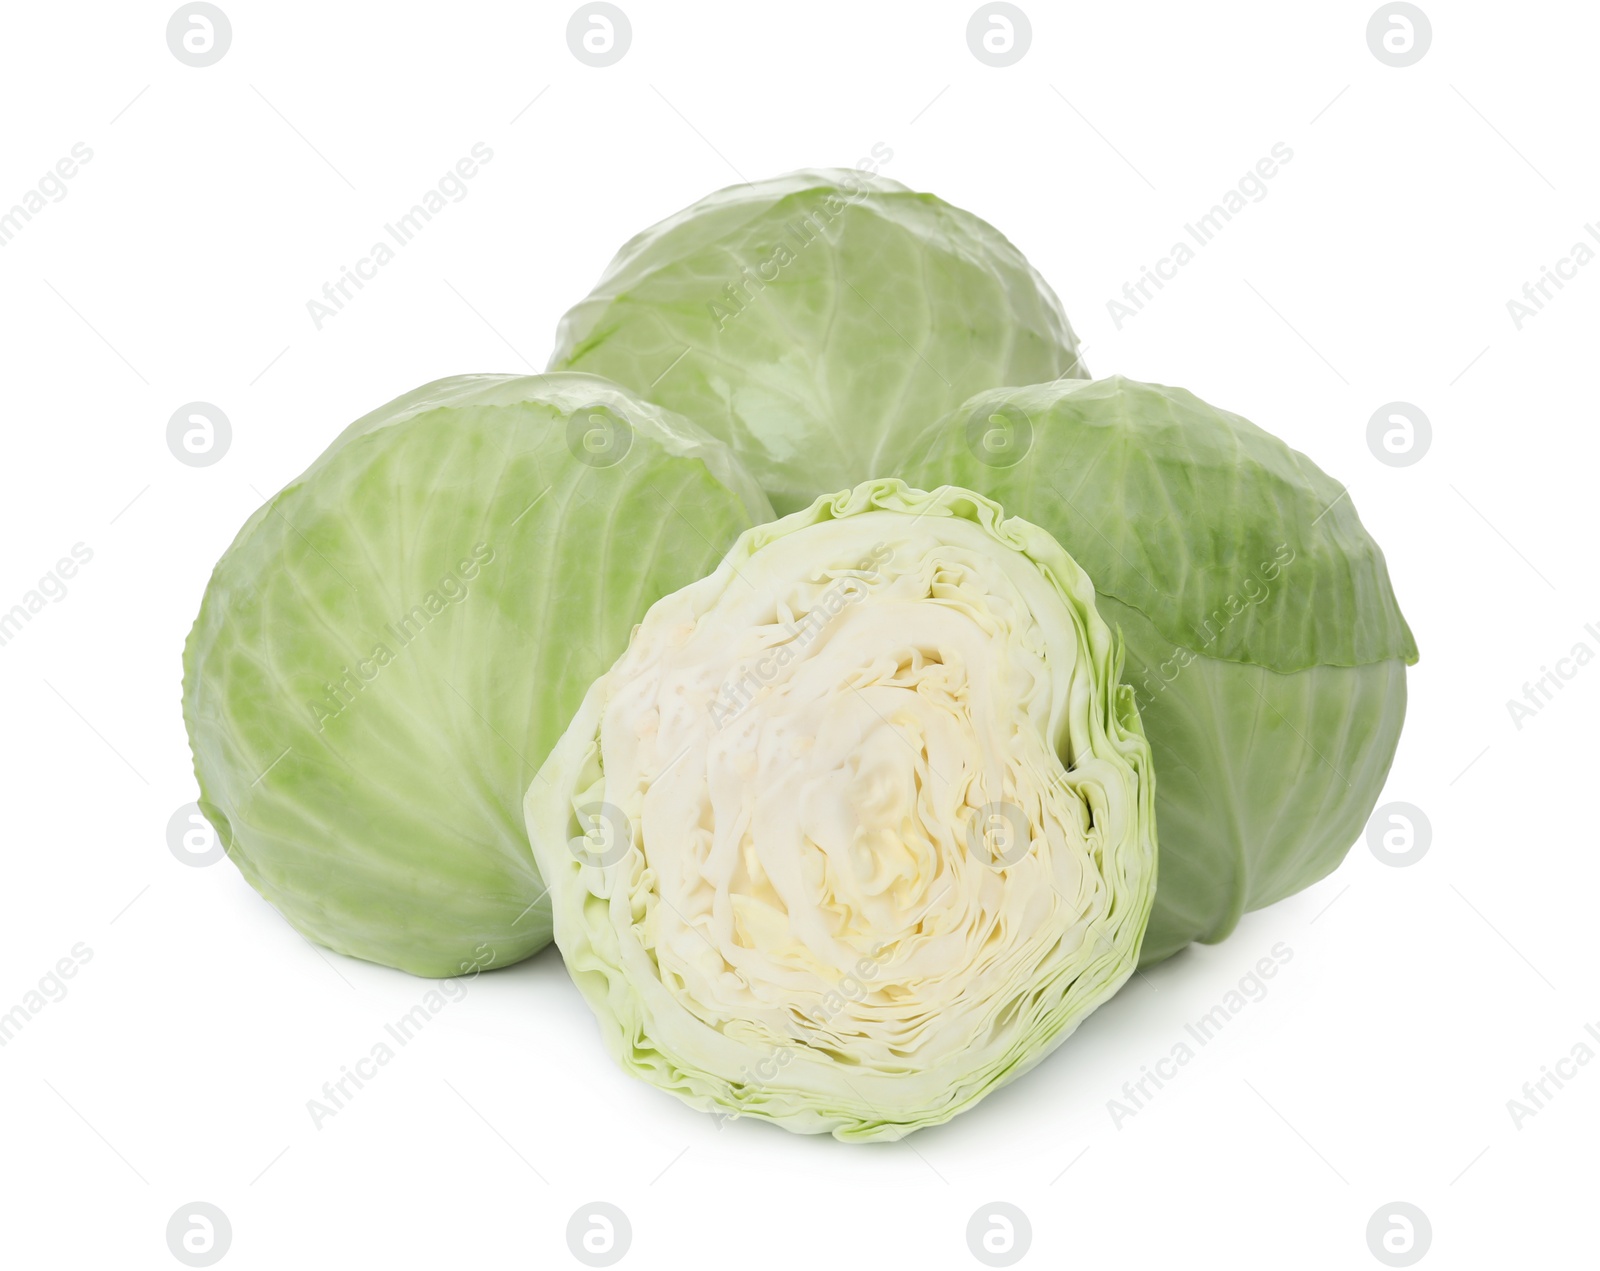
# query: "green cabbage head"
(1264, 642)
(860, 826)
(394, 641)
(811, 320)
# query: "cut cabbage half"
(860, 827)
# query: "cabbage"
(860, 827)
(811, 320)
(392, 644)
(1264, 642)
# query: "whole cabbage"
(395, 640)
(813, 320)
(1265, 645)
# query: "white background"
(1378, 267)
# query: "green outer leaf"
(893, 308)
(390, 827)
(1264, 780)
(1272, 689)
(596, 920)
(1174, 507)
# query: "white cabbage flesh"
(873, 814)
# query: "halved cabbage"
(860, 827)
(394, 641)
(813, 320)
(1265, 644)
